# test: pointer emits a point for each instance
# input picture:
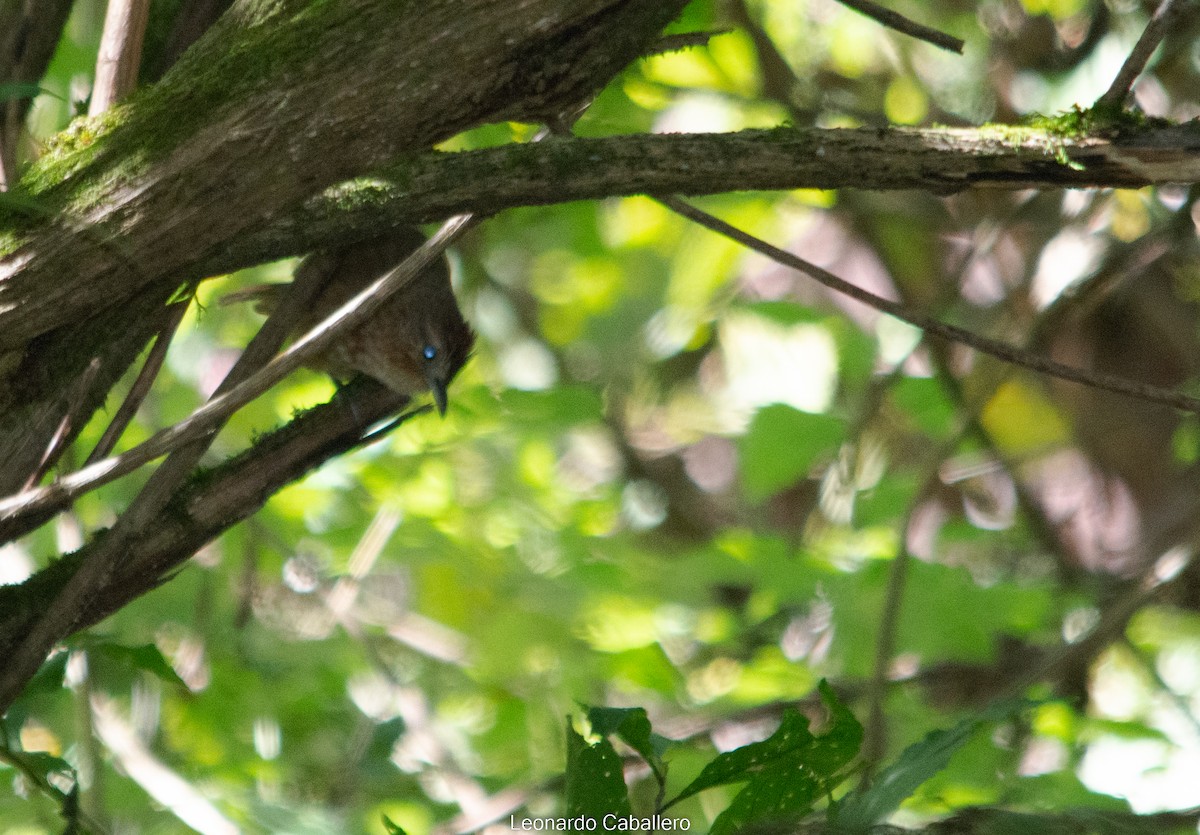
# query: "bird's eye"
(429, 352)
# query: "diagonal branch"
(1160, 23)
(934, 327)
(120, 53)
(141, 386)
(902, 24)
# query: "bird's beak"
(437, 388)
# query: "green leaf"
(632, 726)
(47, 681)
(744, 763)
(782, 445)
(49, 677)
(835, 748)
(146, 658)
(18, 90)
(383, 742)
(782, 790)
(392, 828)
(924, 401)
(785, 313)
(41, 767)
(595, 779)
(786, 772)
(918, 762)
(564, 405)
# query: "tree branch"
(1160, 23)
(124, 207)
(934, 327)
(196, 148)
(120, 53)
(434, 185)
(141, 385)
(902, 24)
(29, 33)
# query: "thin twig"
(141, 386)
(73, 411)
(778, 81)
(902, 24)
(875, 740)
(1160, 23)
(935, 327)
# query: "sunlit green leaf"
(782, 445)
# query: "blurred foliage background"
(678, 476)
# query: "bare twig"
(74, 412)
(141, 386)
(875, 738)
(934, 327)
(120, 53)
(778, 81)
(1160, 23)
(897, 21)
(875, 733)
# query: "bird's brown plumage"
(416, 341)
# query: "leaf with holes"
(784, 773)
(595, 779)
(632, 727)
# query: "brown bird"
(416, 341)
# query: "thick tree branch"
(435, 185)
